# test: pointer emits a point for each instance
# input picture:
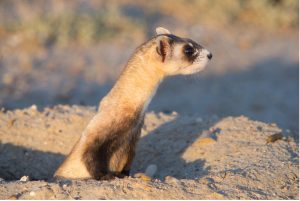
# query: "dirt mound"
(211, 158)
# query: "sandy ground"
(196, 158)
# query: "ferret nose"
(209, 56)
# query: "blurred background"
(72, 51)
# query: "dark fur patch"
(162, 50)
(192, 57)
(121, 136)
(125, 172)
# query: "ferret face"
(180, 55)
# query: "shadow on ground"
(165, 146)
(17, 161)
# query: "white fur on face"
(198, 64)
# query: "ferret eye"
(189, 51)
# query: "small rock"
(25, 178)
(32, 193)
(142, 176)
(33, 107)
(151, 170)
(40, 193)
(274, 137)
(174, 113)
(273, 124)
(171, 180)
(32, 110)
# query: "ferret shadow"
(165, 147)
(17, 161)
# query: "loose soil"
(196, 158)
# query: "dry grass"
(268, 14)
(86, 22)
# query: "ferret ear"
(161, 30)
(163, 46)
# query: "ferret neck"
(135, 87)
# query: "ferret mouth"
(201, 55)
(198, 65)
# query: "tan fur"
(76, 170)
(107, 145)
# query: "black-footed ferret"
(107, 145)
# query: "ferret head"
(180, 55)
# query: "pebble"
(274, 137)
(33, 107)
(142, 176)
(171, 180)
(32, 193)
(25, 178)
(151, 170)
(32, 110)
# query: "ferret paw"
(111, 176)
